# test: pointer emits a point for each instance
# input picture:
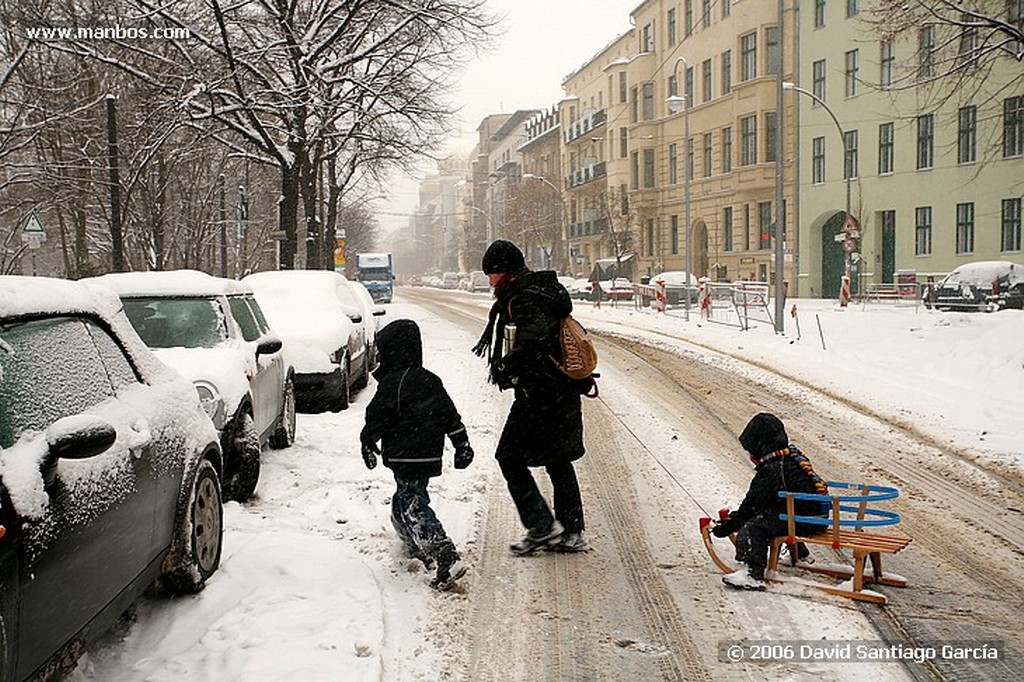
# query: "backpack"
(579, 357)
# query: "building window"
(648, 90)
(818, 80)
(923, 231)
(850, 166)
(1013, 126)
(634, 109)
(770, 131)
(1011, 236)
(623, 200)
(727, 227)
(670, 19)
(726, 8)
(705, 19)
(707, 155)
(688, 17)
(1015, 18)
(886, 148)
(705, 69)
(748, 57)
(771, 44)
(623, 88)
(647, 39)
(967, 134)
(818, 160)
(819, 13)
(764, 224)
(727, 72)
(748, 140)
(852, 68)
(650, 237)
(688, 86)
(926, 52)
(623, 142)
(726, 150)
(634, 171)
(852, 8)
(925, 141)
(674, 226)
(689, 160)
(673, 164)
(968, 55)
(648, 168)
(887, 64)
(965, 228)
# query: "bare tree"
(534, 217)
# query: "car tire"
(242, 465)
(199, 534)
(284, 435)
(340, 400)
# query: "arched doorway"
(833, 258)
(700, 249)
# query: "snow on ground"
(312, 584)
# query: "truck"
(376, 272)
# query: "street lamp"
(847, 170)
(674, 103)
(565, 238)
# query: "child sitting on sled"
(778, 466)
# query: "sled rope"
(655, 457)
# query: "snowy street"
(312, 584)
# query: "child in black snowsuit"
(779, 466)
(410, 414)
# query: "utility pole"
(223, 220)
(780, 216)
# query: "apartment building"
(537, 208)
(933, 160)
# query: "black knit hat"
(763, 434)
(502, 256)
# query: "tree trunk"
(309, 201)
(287, 210)
(159, 212)
(331, 223)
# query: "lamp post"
(674, 102)
(565, 239)
(846, 162)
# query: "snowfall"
(312, 583)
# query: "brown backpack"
(579, 357)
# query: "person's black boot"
(449, 569)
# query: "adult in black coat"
(410, 414)
(778, 466)
(545, 424)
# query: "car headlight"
(210, 400)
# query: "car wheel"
(242, 466)
(198, 535)
(284, 434)
(341, 400)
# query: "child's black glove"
(724, 528)
(463, 456)
(370, 452)
(501, 374)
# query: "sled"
(840, 532)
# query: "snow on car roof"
(170, 283)
(984, 272)
(21, 295)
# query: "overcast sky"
(543, 42)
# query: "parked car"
(324, 338)
(676, 283)
(109, 474)
(478, 281)
(982, 285)
(450, 280)
(567, 282)
(582, 289)
(213, 332)
(357, 294)
(618, 289)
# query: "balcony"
(584, 125)
(588, 228)
(585, 175)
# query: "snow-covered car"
(582, 289)
(324, 337)
(618, 289)
(213, 332)
(478, 282)
(567, 282)
(356, 295)
(676, 285)
(109, 473)
(983, 285)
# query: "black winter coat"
(545, 423)
(411, 412)
(780, 471)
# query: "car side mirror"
(377, 312)
(268, 347)
(355, 317)
(76, 437)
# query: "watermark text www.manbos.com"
(847, 651)
(115, 32)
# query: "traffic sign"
(33, 233)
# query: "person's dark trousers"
(533, 509)
(415, 522)
(754, 538)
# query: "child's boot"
(750, 577)
(449, 569)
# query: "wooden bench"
(843, 529)
(843, 532)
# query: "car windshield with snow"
(109, 472)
